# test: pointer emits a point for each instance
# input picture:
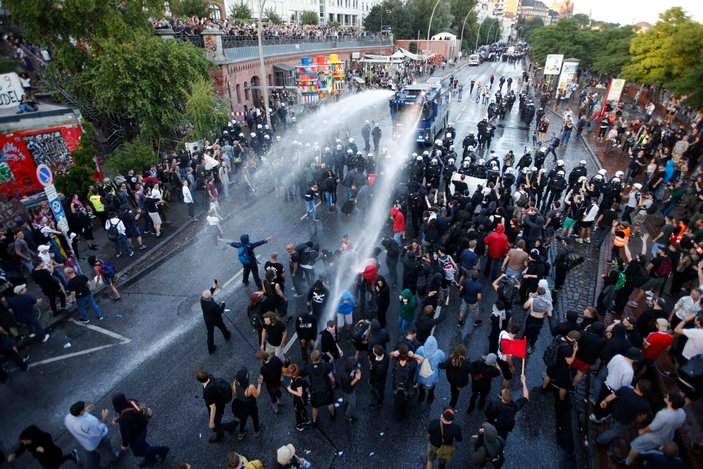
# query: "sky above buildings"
(634, 11)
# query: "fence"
(236, 54)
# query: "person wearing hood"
(364, 285)
(244, 403)
(133, 429)
(348, 379)
(406, 315)
(412, 267)
(318, 297)
(212, 314)
(429, 356)
(427, 321)
(398, 226)
(443, 434)
(540, 305)
(378, 336)
(563, 262)
(245, 251)
(345, 308)
(392, 252)
(616, 343)
(383, 299)
(497, 246)
(488, 447)
(41, 445)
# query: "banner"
(552, 65)
(22, 152)
(568, 74)
(615, 89)
(11, 90)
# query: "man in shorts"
(442, 434)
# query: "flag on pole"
(516, 347)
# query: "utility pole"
(264, 78)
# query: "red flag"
(516, 347)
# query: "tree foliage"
(524, 26)
(136, 155)
(668, 55)
(182, 8)
(80, 174)
(393, 14)
(273, 16)
(309, 17)
(240, 11)
(206, 110)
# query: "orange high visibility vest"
(619, 241)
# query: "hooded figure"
(133, 429)
(431, 353)
(317, 298)
(379, 336)
(487, 447)
(245, 252)
(383, 299)
(32, 438)
(408, 305)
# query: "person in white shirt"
(620, 372)
(214, 227)
(694, 342)
(587, 221)
(91, 433)
(117, 233)
(188, 199)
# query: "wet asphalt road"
(150, 344)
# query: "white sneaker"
(32, 335)
(588, 240)
(46, 337)
(580, 240)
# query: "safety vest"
(676, 238)
(619, 241)
(97, 203)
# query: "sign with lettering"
(11, 91)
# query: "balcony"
(251, 51)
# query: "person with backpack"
(508, 289)
(660, 269)
(299, 388)
(244, 403)
(216, 394)
(212, 314)
(443, 434)
(322, 383)
(117, 234)
(429, 356)
(488, 447)
(540, 305)
(403, 371)
(245, 252)
(558, 357)
(566, 259)
(133, 419)
(361, 332)
(272, 370)
(105, 273)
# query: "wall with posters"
(21, 152)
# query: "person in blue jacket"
(344, 311)
(245, 251)
(428, 377)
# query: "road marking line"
(290, 343)
(101, 330)
(306, 213)
(72, 355)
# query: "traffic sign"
(45, 176)
(56, 207)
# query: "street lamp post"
(429, 26)
(478, 34)
(488, 36)
(264, 79)
(461, 41)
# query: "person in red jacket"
(497, 246)
(398, 226)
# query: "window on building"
(215, 12)
(237, 92)
(246, 91)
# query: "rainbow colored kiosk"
(320, 79)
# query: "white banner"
(615, 90)
(11, 91)
(552, 65)
(568, 74)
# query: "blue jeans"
(328, 196)
(121, 241)
(398, 237)
(310, 207)
(512, 273)
(34, 325)
(141, 448)
(565, 137)
(404, 326)
(88, 300)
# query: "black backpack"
(223, 388)
(360, 331)
(551, 352)
(112, 232)
(401, 378)
(318, 379)
(508, 294)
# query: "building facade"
(348, 13)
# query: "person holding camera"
(212, 314)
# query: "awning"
(283, 67)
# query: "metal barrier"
(236, 54)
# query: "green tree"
(80, 174)
(147, 80)
(567, 38)
(136, 155)
(183, 8)
(309, 17)
(273, 16)
(668, 55)
(421, 11)
(459, 9)
(582, 19)
(614, 53)
(240, 11)
(412, 47)
(206, 111)
(393, 14)
(524, 26)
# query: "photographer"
(212, 314)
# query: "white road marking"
(102, 330)
(306, 213)
(292, 340)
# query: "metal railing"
(236, 54)
(229, 42)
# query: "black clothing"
(443, 434)
(502, 415)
